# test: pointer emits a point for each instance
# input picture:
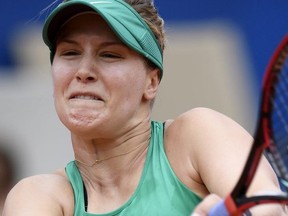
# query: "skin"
(102, 92)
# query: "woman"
(106, 68)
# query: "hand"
(206, 205)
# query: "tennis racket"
(271, 137)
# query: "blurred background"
(217, 52)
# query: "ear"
(152, 84)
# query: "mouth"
(85, 96)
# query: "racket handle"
(219, 210)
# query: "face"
(99, 83)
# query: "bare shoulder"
(47, 194)
(205, 130)
(197, 122)
(197, 135)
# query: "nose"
(86, 72)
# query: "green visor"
(127, 24)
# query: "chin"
(80, 122)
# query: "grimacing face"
(99, 83)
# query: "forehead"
(86, 24)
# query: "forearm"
(210, 201)
(269, 210)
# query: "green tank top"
(159, 191)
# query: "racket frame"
(237, 205)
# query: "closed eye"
(110, 55)
(70, 53)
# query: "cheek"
(130, 89)
(131, 81)
(60, 77)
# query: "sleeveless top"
(159, 191)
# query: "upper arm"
(34, 196)
(217, 148)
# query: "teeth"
(85, 97)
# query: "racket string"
(279, 105)
(279, 118)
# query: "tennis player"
(107, 64)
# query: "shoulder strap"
(77, 185)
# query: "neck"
(112, 153)
(119, 168)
